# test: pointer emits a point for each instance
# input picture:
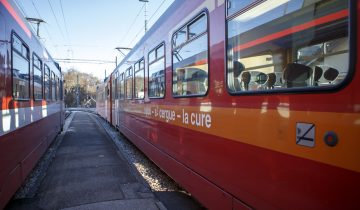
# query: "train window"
(179, 37)
(53, 86)
(61, 90)
(58, 88)
(139, 80)
(152, 56)
(287, 44)
(197, 27)
(117, 85)
(47, 86)
(37, 78)
(113, 86)
(160, 51)
(129, 83)
(20, 69)
(190, 61)
(234, 6)
(122, 86)
(157, 73)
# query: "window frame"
(155, 50)
(53, 86)
(352, 27)
(189, 40)
(42, 77)
(46, 67)
(130, 77)
(14, 50)
(122, 87)
(136, 70)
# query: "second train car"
(248, 104)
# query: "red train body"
(248, 104)
(30, 100)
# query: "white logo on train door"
(305, 134)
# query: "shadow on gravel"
(23, 204)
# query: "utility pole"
(37, 21)
(145, 1)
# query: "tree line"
(80, 89)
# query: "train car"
(100, 100)
(104, 99)
(31, 100)
(249, 104)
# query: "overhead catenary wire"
(56, 20)
(157, 9)
(81, 60)
(65, 24)
(45, 26)
(134, 39)
(133, 23)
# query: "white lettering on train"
(198, 119)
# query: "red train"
(31, 100)
(247, 104)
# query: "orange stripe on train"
(270, 129)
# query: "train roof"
(33, 37)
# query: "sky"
(90, 30)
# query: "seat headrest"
(331, 74)
(318, 72)
(238, 68)
(295, 72)
(245, 77)
(271, 79)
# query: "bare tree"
(80, 89)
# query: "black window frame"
(136, 70)
(27, 58)
(53, 86)
(198, 16)
(47, 71)
(352, 29)
(42, 77)
(155, 51)
(122, 86)
(129, 76)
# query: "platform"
(88, 172)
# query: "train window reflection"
(157, 74)
(122, 86)
(53, 86)
(236, 5)
(37, 78)
(190, 68)
(129, 83)
(20, 69)
(179, 37)
(198, 27)
(281, 44)
(47, 83)
(190, 63)
(139, 80)
(160, 51)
